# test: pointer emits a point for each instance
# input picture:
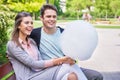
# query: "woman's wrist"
(59, 61)
(49, 63)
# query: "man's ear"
(41, 18)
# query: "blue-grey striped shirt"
(50, 45)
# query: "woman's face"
(26, 26)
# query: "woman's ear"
(18, 27)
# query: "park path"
(106, 57)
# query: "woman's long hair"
(18, 19)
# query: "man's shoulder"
(35, 32)
(61, 29)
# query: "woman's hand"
(70, 61)
(65, 59)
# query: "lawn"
(108, 26)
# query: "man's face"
(49, 18)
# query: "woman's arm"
(24, 58)
(65, 59)
(20, 55)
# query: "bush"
(6, 21)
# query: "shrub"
(6, 21)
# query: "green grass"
(110, 27)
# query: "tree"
(115, 7)
(31, 6)
(78, 5)
(57, 4)
(88, 4)
(102, 6)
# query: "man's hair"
(47, 6)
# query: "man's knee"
(96, 77)
(92, 74)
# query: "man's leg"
(92, 75)
(72, 76)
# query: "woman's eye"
(26, 22)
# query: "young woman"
(26, 58)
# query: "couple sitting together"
(36, 54)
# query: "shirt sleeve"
(49, 63)
(20, 55)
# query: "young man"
(47, 39)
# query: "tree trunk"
(106, 15)
(115, 16)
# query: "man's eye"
(51, 16)
(48, 16)
(31, 22)
(54, 16)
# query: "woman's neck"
(23, 37)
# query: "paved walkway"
(106, 57)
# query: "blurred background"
(94, 11)
(103, 14)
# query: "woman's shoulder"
(11, 43)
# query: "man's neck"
(49, 30)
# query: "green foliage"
(70, 15)
(57, 4)
(32, 6)
(6, 21)
(102, 8)
(115, 7)
(78, 5)
(99, 8)
(28, 6)
(75, 5)
(52, 1)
